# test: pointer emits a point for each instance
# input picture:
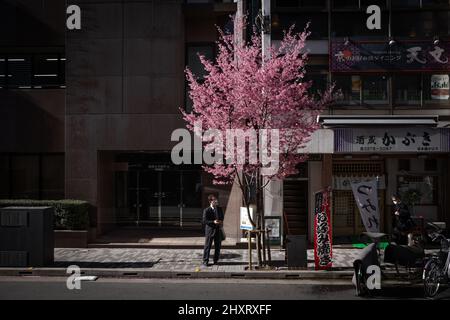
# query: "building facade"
(88, 114)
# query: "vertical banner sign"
(366, 197)
(323, 252)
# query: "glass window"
(406, 4)
(375, 89)
(344, 4)
(421, 24)
(301, 3)
(318, 83)
(3, 74)
(318, 24)
(353, 25)
(417, 190)
(381, 3)
(52, 177)
(4, 177)
(349, 87)
(431, 3)
(436, 89)
(194, 64)
(46, 70)
(407, 89)
(25, 176)
(19, 69)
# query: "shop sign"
(323, 250)
(345, 182)
(370, 140)
(379, 56)
(439, 87)
(366, 197)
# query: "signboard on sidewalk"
(323, 250)
(245, 221)
(366, 197)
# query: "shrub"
(69, 214)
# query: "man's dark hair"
(395, 196)
(211, 197)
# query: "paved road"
(190, 289)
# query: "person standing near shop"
(402, 221)
(213, 222)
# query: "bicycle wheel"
(431, 278)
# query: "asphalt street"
(55, 288)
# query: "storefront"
(411, 161)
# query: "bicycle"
(436, 271)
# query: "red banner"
(323, 247)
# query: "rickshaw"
(400, 265)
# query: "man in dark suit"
(402, 222)
(213, 221)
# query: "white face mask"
(395, 202)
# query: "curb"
(179, 274)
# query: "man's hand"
(218, 221)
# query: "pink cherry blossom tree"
(242, 92)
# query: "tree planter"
(71, 239)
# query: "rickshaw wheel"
(361, 289)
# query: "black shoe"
(205, 264)
(216, 262)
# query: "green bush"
(69, 214)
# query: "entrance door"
(160, 197)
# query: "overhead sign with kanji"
(380, 56)
(380, 140)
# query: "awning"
(329, 121)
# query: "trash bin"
(26, 237)
(296, 251)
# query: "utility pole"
(266, 39)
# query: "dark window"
(406, 4)
(19, 71)
(353, 25)
(381, 3)
(432, 3)
(4, 177)
(430, 165)
(375, 89)
(356, 89)
(52, 176)
(318, 83)
(318, 24)
(25, 176)
(3, 74)
(407, 89)
(345, 4)
(46, 71)
(301, 3)
(32, 71)
(194, 64)
(349, 87)
(421, 24)
(32, 176)
(404, 165)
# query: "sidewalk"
(169, 263)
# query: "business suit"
(212, 232)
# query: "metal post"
(138, 201)
(249, 239)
